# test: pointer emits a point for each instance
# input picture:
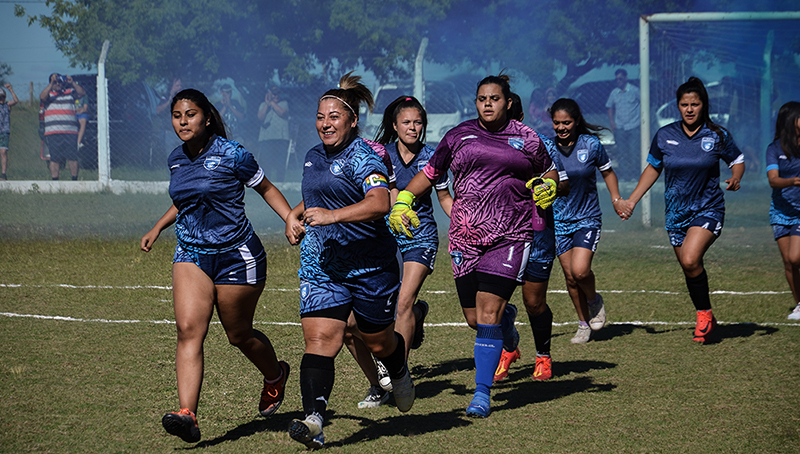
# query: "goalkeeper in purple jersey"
(577, 215)
(219, 261)
(783, 172)
(491, 227)
(688, 152)
(348, 258)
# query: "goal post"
(645, 23)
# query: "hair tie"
(408, 98)
(341, 100)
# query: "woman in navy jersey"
(491, 159)
(688, 152)
(402, 133)
(349, 262)
(578, 218)
(783, 172)
(537, 272)
(219, 261)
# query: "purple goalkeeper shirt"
(490, 169)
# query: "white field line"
(161, 287)
(432, 292)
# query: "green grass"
(101, 380)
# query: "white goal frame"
(644, 71)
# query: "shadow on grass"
(622, 329)
(404, 425)
(734, 330)
(276, 423)
(527, 392)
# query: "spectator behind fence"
(273, 137)
(624, 118)
(60, 122)
(232, 113)
(538, 117)
(82, 114)
(5, 126)
(163, 112)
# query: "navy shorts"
(63, 147)
(586, 238)
(714, 226)
(423, 255)
(781, 231)
(373, 297)
(245, 265)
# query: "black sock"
(75, 178)
(698, 291)
(316, 383)
(396, 361)
(55, 178)
(542, 327)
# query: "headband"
(341, 100)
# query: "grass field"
(87, 348)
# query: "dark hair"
(537, 96)
(501, 79)
(786, 129)
(573, 110)
(516, 112)
(386, 133)
(695, 85)
(216, 125)
(621, 71)
(351, 93)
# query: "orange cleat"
(506, 359)
(705, 325)
(543, 369)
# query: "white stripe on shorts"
(524, 264)
(250, 264)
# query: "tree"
(5, 70)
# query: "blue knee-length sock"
(488, 348)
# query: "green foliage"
(5, 70)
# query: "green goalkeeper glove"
(544, 191)
(405, 200)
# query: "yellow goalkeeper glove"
(544, 191)
(405, 200)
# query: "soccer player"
(577, 215)
(491, 158)
(537, 273)
(349, 260)
(783, 172)
(688, 152)
(219, 261)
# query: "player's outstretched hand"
(733, 184)
(544, 191)
(401, 208)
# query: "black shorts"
(63, 147)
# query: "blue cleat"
(480, 406)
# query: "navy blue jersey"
(208, 192)
(785, 206)
(344, 250)
(691, 172)
(581, 207)
(426, 233)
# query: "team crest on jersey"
(457, 257)
(516, 142)
(212, 162)
(421, 165)
(305, 289)
(583, 155)
(337, 167)
(707, 144)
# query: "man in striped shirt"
(60, 123)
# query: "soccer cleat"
(182, 424)
(419, 328)
(376, 397)
(506, 360)
(480, 406)
(583, 335)
(383, 376)
(706, 322)
(795, 315)
(403, 391)
(597, 314)
(272, 394)
(308, 432)
(543, 369)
